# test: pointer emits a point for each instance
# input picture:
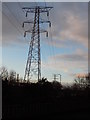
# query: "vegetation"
(44, 98)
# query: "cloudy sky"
(64, 52)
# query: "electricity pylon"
(33, 65)
(55, 77)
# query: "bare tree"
(81, 81)
(12, 76)
(4, 73)
(43, 80)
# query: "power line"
(12, 23)
(45, 54)
(12, 13)
(15, 17)
(36, 3)
(45, 3)
(52, 42)
(20, 6)
(11, 20)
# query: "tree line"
(13, 77)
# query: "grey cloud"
(69, 63)
(70, 22)
(59, 16)
(72, 57)
(12, 19)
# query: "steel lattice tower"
(33, 65)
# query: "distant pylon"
(33, 65)
(60, 78)
(55, 77)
